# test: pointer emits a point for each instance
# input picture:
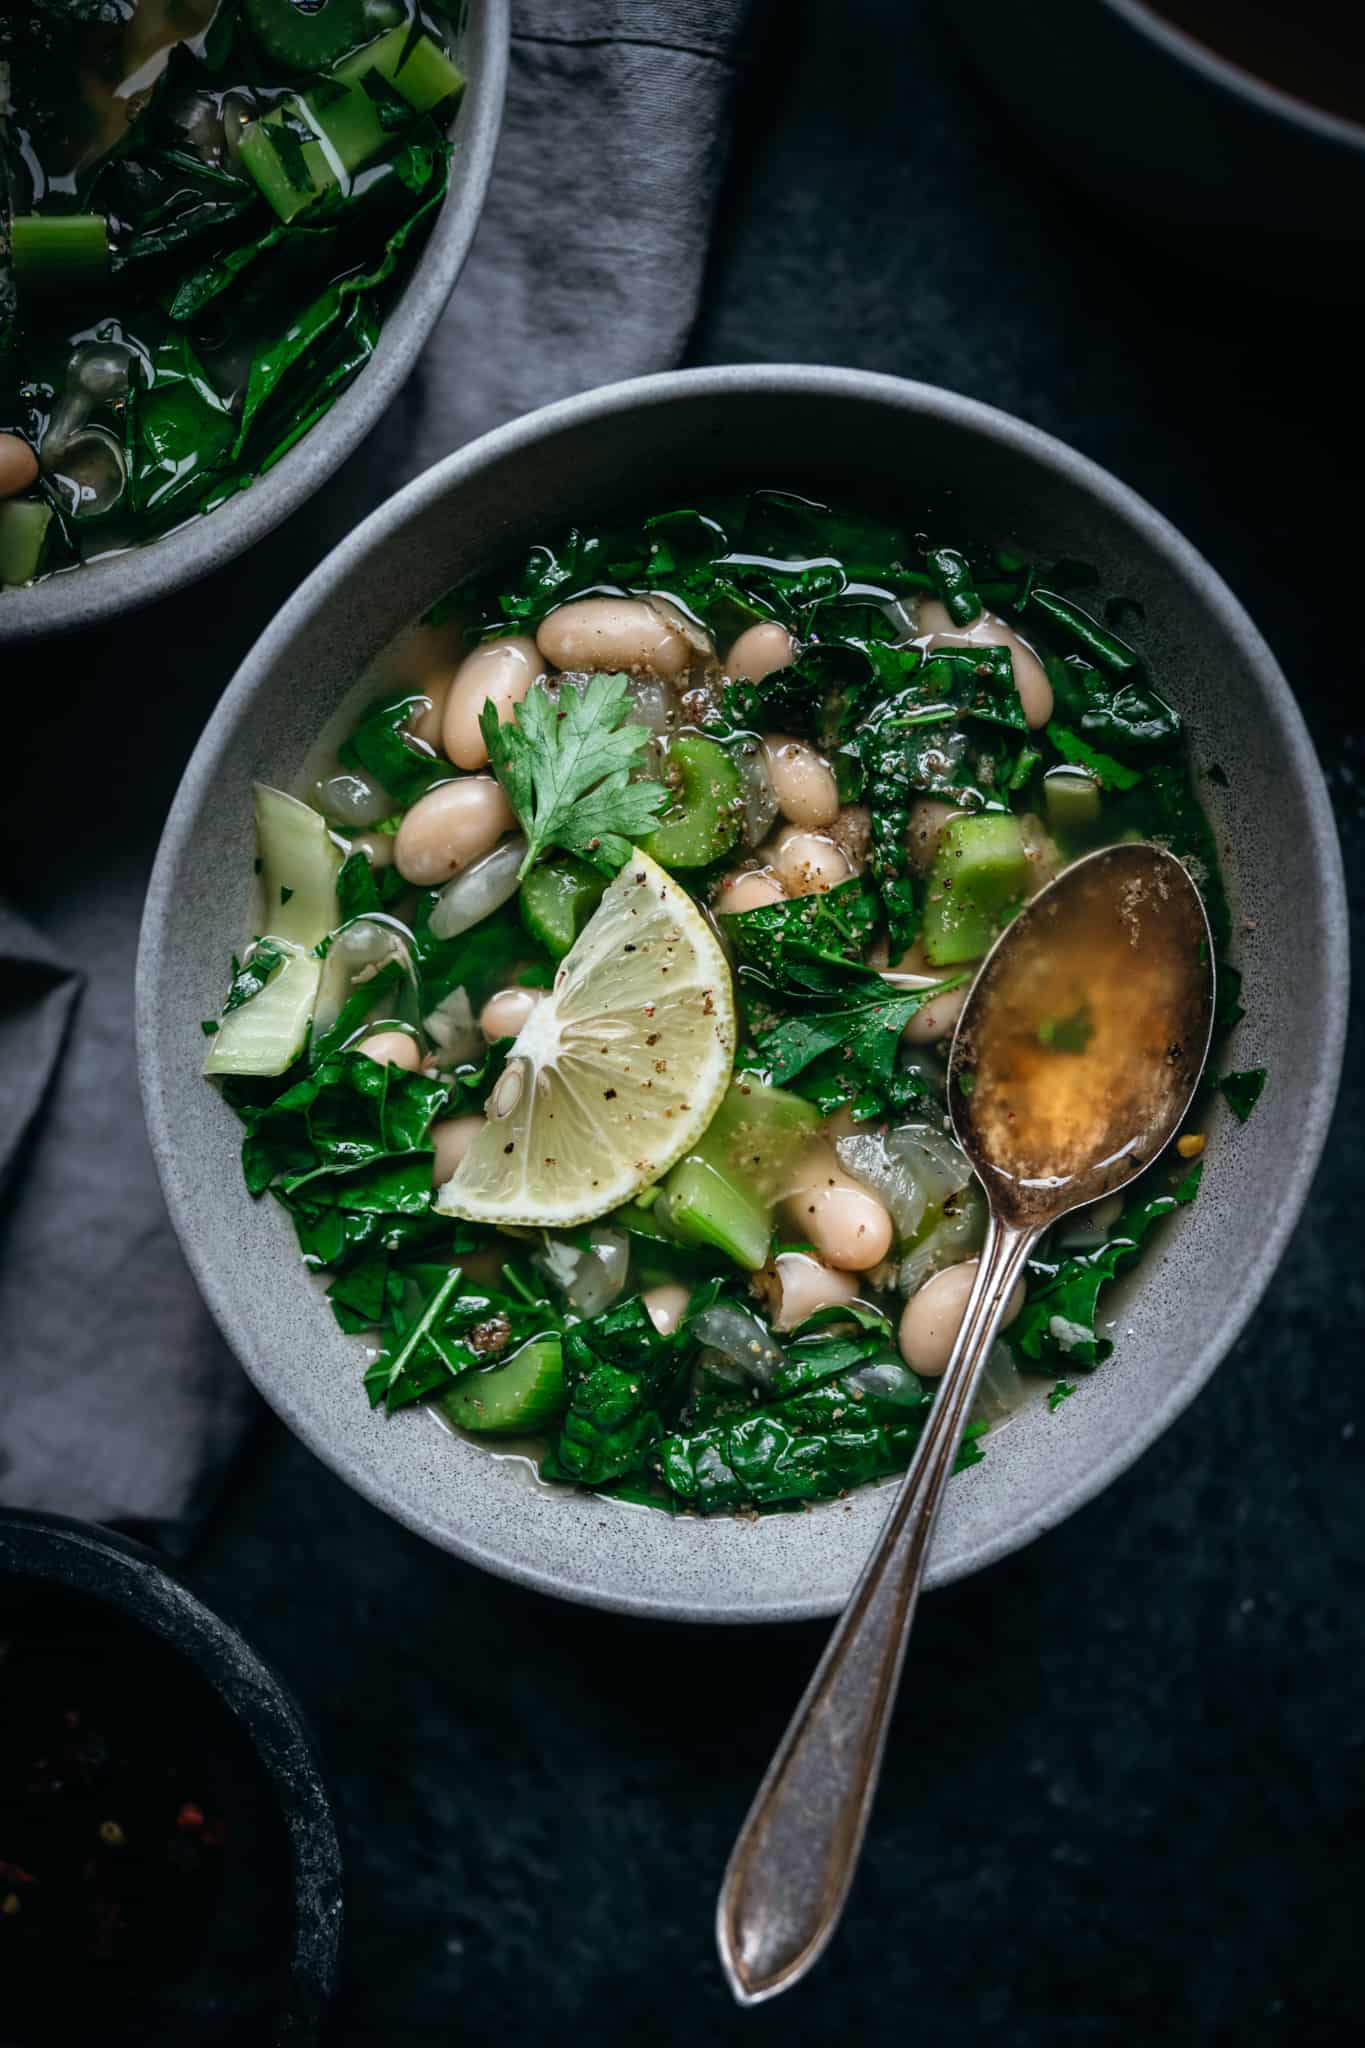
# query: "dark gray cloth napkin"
(118, 1401)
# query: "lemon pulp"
(617, 1071)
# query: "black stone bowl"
(205, 1905)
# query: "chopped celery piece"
(299, 868)
(288, 173)
(266, 1034)
(557, 899)
(347, 122)
(757, 1132)
(979, 878)
(414, 66)
(711, 1207)
(516, 1399)
(724, 1191)
(58, 252)
(1072, 800)
(291, 169)
(703, 820)
(23, 529)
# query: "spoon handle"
(791, 1868)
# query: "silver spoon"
(1073, 1062)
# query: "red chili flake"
(190, 1818)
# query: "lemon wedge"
(617, 1071)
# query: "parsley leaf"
(565, 766)
(1242, 1092)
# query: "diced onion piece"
(741, 1340)
(355, 956)
(454, 1030)
(760, 798)
(956, 1235)
(1002, 1389)
(590, 1279)
(914, 1168)
(478, 890)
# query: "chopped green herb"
(1242, 1091)
(565, 767)
(1071, 1033)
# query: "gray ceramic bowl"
(969, 470)
(1251, 178)
(84, 596)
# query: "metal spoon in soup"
(1074, 1060)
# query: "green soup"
(845, 755)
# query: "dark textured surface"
(1124, 1794)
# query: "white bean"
(498, 673)
(452, 1138)
(760, 651)
(503, 1015)
(1030, 677)
(392, 1049)
(937, 1019)
(426, 660)
(615, 633)
(933, 1316)
(848, 1227)
(808, 863)
(928, 816)
(802, 781)
(803, 1285)
(377, 847)
(18, 465)
(449, 827)
(424, 719)
(755, 889)
(665, 1306)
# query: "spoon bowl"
(1085, 1034)
(1076, 1056)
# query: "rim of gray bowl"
(101, 590)
(639, 394)
(1185, 46)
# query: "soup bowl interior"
(99, 590)
(964, 471)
